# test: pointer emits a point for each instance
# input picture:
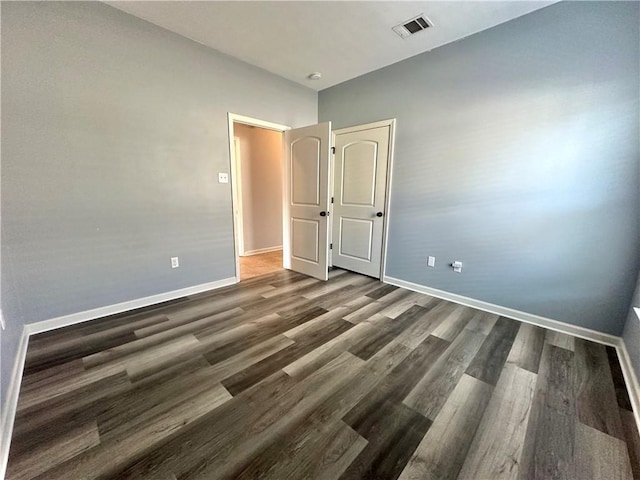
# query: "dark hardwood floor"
(286, 377)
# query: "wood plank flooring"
(283, 376)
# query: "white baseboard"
(11, 402)
(548, 323)
(80, 317)
(629, 373)
(258, 251)
(9, 413)
(630, 378)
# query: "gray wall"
(113, 131)
(517, 154)
(631, 333)
(261, 158)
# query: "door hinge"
(333, 150)
(331, 246)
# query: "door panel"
(359, 194)
(359, 166)
(307, 155)
(305, 235)
(305, 171)
(353, 235)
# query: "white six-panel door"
(307, 196)
(360, 183)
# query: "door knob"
(379, 214)
(323, 214)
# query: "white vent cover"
(412, 26)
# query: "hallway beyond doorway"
(261, 264)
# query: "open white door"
(360, 184)
(307, 162)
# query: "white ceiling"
(341, 39)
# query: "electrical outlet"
(175, 263)
(457, 266)
(223, 178)
(431, 261)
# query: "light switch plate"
(431, 261)
(457, 266)
(223, 178)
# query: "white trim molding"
(11, 401)
(387, 213)
(258, 251)
(256, 122)
(66, 320)
(11, 404)
(236, 193)
(548, 323)
(364, 126)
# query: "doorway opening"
(284, 183)
(257, 182)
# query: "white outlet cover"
(457, 266)
(175, 262)
(223, 177)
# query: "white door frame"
(391, 123)
(236, 190)
(236, 201)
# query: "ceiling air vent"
(412, 26)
